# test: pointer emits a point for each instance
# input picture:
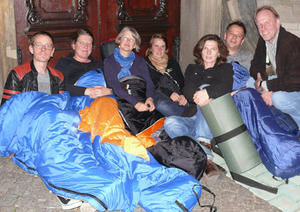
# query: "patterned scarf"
(125, 63)
(160, 64)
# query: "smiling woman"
(167, 77)
(80, 62)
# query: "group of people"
(165, 89)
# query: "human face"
(42, 48)
(234, 38)
(83, 47)
(267, 24)
(210, 53)
(127, 43)
(158, 48)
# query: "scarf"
(160, 64)
(125, 63)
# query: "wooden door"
(104, 17)
(60, 18)
(146, 16)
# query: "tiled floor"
(287, 198)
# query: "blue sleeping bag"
(276, 138)
(41, 131)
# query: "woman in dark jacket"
(166, 76)
(209, 78)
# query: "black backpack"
(181, 152)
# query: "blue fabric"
(41, 130)
(91, 79)
(125, 63)
(240, 76)
(278, 148)
(166, 106)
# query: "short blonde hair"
(135, 35)
(267, 7)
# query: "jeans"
(286, 102)
(194, 127)
(166, 106)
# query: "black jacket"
(287, 62)
(219, 78)
(170, 82)
(24, 78)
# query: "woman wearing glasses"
(128, 76)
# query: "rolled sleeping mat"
(230, 134)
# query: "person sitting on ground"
(80, 62)
(128, 76)
(234, 38)
(35, 75)
(209, 78)
(166, 76)
(278, 84)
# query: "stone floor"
(23, 192)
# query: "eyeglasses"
(128, 39)
(41, 46)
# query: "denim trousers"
(194, 127)
(166, 106)
(286, 102)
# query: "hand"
(97, 91)
(201, 98)
(257, 82)
(182, 100)
(141, 107)
(267, 97)
(149, 102)
(174, 97)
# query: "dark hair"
(135, 35)
(82, 31)
(266, 7)
(238, 23)
(31, 40)
(156, 36)
(200, 45)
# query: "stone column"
(8, 53)
(198, 17)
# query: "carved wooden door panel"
(60, 18)
(146, 16)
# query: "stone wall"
(289, 11)
(8, 53)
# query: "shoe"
(213, 172)
(68, 204)
(211, 169)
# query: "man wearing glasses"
(35, 75)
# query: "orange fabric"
(145, 135)
(103, 118)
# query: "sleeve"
(111, 70)
(223, 83)
(189, 87)
(288, 67)
(258, 63)
(178, 73)
(12, 86)
(149, 84)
